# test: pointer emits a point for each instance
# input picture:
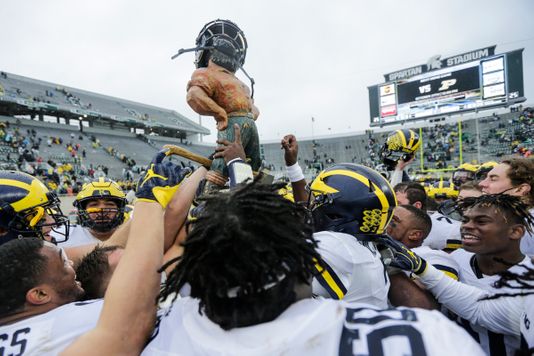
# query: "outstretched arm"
(500, 315)
(127, 319)
(176, 212)
(298, 183)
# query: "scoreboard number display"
(492, 81)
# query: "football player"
(100, 206)
(249, 259)
(97, 267)
(351, 207)
(411, 226)
(465, 172)
(29, 209)
(491, 230)
(39, 312)
(514, 176)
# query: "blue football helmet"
(352, 199)
(27, 208)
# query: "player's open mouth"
(469, 238)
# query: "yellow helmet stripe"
(33, 198)
(412, 138)
(416, 146)
(403, 138)
(15, 183)
(379, 193)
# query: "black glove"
(403, 257)
(161, 180)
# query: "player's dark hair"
(470, 185)
(93, 272)
(510, 206)
(414, 191)
(244, 255)
(522, 171)
(422, 220)
(21, 268)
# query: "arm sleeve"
(333, 280)
(396, 177)
(501, 315)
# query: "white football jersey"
(445, 233)
(354, 270)
(527, 329)
(527, 241)
(78, 236)
(492, 343)
(49, 333)
(510, 315)
(314, 327)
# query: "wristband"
(294, 173)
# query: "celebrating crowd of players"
(348, 264)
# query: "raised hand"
(291, 149)
(403, 257)
(161, 180)
(231, 150)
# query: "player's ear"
(415, 235)
(38, 295)
(516, 232)
(523, 189)
(418, 204)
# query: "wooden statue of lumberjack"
(214, 90)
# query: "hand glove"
(403, 257)
(161, 180)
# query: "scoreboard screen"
(488, 82)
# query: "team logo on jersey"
(371, 220)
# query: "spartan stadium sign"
(437, 63)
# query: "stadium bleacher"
(114, 123)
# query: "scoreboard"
(463, 83)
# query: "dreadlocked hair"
(244, 255)
(523, 282)
(510, 206)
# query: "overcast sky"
(308, 58)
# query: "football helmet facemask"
(352, 199)
(29, 209)
(464, 173)
(400, 144)
(98, 219)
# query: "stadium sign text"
(436, 62)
